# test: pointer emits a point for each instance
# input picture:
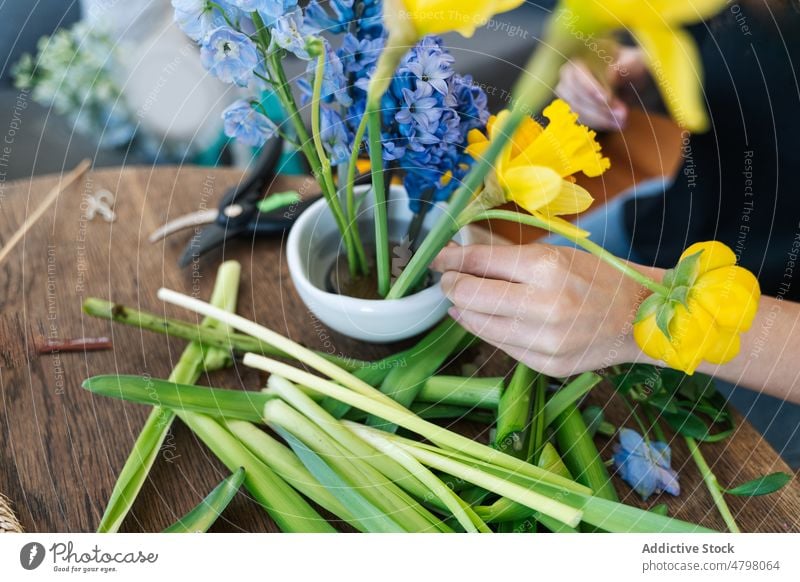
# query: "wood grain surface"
(61, 447)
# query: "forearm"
(768, 359)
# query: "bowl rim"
(297, 269)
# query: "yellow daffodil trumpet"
(657, 26)
(535, 169)
(710, 302)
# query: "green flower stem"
(414, 467)
(190, 366)
(530, 93)
(285, 463)
(355, 259)
(351, 390)
(350, 197)
(284, 505)
(584, 243)
(580, 454)
(459, 391)
(211, 507)
(208, 336)
(513, 413)
(404, 384)
(284, 93)
(713, 485)
(373, 115)
(374, 486)
(395, 472)
(393, 412)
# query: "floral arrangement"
(388, 85)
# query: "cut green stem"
(712, 484)
(202, 517)
(514, 412)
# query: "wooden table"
(61, 447)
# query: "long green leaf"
(370, 517)
(569, 394)
(403, 384)
(223, 403)
(284, 505)
(188, 369)
(209, 509)
(514, 412)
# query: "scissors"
(238, 213)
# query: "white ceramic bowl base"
(314, 244)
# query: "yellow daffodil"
(410, 20)
(671, 52)
(535, 168)
(711, 302)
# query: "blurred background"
(120, 83)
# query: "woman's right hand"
(597, 103)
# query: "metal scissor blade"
(190, 220)
(209, 238)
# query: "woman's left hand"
(559, 310)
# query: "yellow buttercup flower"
(671, 52)
(413, 19)
(535, 168)
(711, 302)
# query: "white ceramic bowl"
(314, 244)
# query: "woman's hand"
(597, 103)
(559, 310)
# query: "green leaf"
(207, 511)
(761, 486)
(638, 375)
(277, 200)
(373, 519)
(685, 272)
(216, 402)
(663, 402)
(649, 306)
(680, 295)
(687, 424)
(664, 317)
(569, 395)
(660, 509)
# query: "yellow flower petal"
(594, 15)
(441, 16)
(571, 199)
(565, 145)
(477, 144)
(715, 255)
(730, 295)
(724, 349)
(674, 60)
(531, 187)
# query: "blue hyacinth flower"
(645, 466)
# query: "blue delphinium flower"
(229, 55)
(645, 466)
(338, 16)
(243, 122)
(269, 8)
(197, 18)
(290, 32)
